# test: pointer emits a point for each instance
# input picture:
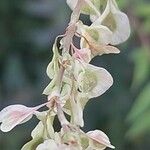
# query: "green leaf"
(140, 126)
(146, 26)
(143, 9)
(142, 66)
(141, 104)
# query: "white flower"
(116, 21)
(94, 81)
(96, 38)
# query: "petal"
(94, 81)
(108, 50)
(116, 21)
(90, 7)
(100, 137)
(72, 3)
(53, 66)
(83, 55)
(13, 115)
(97, 38)
(65, 92)
(51, 87)
(83, 99)
(48, 145)
(77, 112)
(96, 33)
(104, 49)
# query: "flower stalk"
(74, 81)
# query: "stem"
(61, 115)
(71, 29)
(67, 40)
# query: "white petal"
(77, 112)
(72, 3)
(94, 81)
(38, 130)
(107, 50)
(90, 7)
(97, 40)
(50, 87)
(96, 33)
(117, 21)
(48, 145)
(100, 137)
(53, 66)
(13, 115)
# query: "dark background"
(27, 31)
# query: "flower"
(116, 21)
(13, 115)
(94, 81)
(96, 38)
(91, 82)
(98, 140)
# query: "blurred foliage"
(27, 30)
(139, 116)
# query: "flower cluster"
(74, 81)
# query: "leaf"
(142, 66)
(146, 26)
(143, 9)
(140, 126)
(141, 104)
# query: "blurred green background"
(27, 30)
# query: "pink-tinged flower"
(99, 140)
(116, 21)
(94, 81)
(96, 38)
(13, 115)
